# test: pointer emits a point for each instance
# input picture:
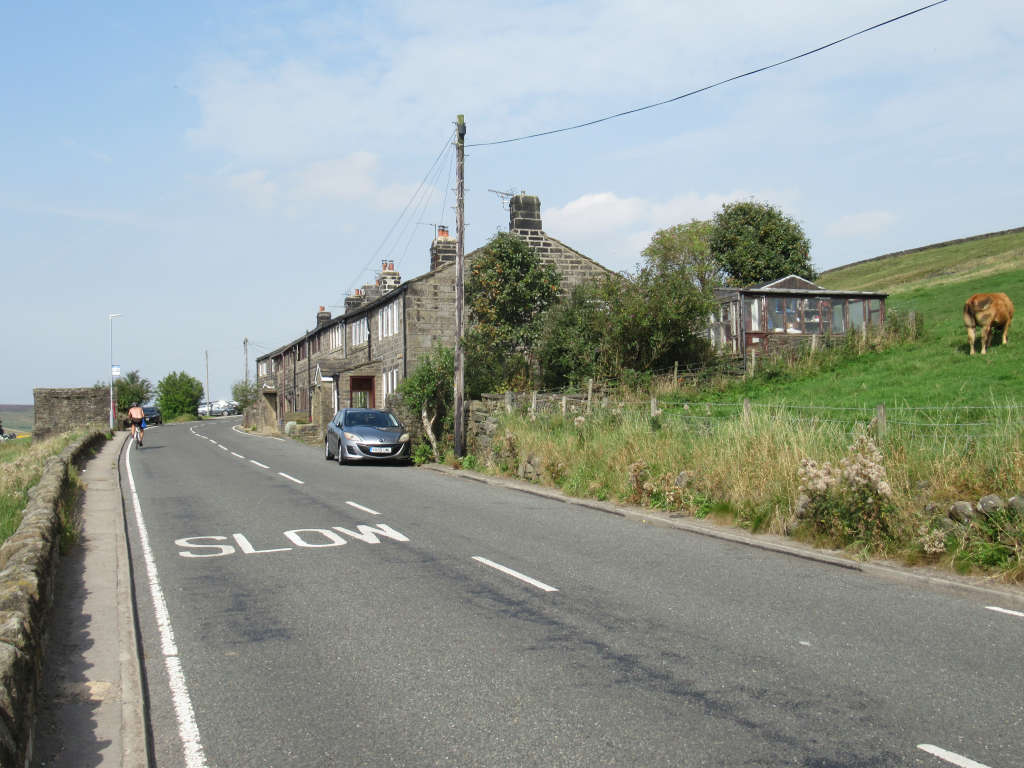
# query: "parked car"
(366, 434)
(8, 435)
(204, 409)
(153, 415)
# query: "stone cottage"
(358, 358)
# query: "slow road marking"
(950, 757)
(515, 574)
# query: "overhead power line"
(713, 85)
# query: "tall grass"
(21, 466)
(746, 469)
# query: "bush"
(178, 394)
(851, 504)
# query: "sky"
(215, 171)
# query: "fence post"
(912, 320)
(746, 409)
(508, 402)
(675, 374)
(814, 344)
(590, 395)
(654, 407)
(753, 361)
(880, 421)
(563, 405)
(533, 407)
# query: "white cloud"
(866, 224)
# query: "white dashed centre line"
(293, 479)
(222, 447)
(950, 757)
(515, 574)
(360, 506)
(237, 455)
(262, 466)
(1005, 610)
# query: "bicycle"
(137, 436)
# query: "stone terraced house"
(358, 358)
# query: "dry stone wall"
(65, 410)
(28, 564)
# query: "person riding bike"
(138, 419)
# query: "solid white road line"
(293, 479)
(187, 728)
(250, 434)
(253, 461)
(950, 757)
(1005, 610)
(360, 506)
(516, 574)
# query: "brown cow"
(986, 310)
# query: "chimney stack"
(524, 214)
(322, 317)
(443, 249)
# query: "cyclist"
(138, 419)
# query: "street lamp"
(110, 319)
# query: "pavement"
(91, 707)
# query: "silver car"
(365, 434)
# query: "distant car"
(8, 435)
(153, 415)
(204, 409)
(365, 434)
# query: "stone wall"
(28, 564)
(64, 410)
(482, 416)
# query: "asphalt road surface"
(297, 612)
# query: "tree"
(244, 393)
(132, 388)
(686, 247)
(507, 292)
(430, 390)
(756, 243)
(179, 394)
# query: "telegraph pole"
(245, 346)
(206, 355)
(460, 254)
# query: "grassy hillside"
(17, 418)
(982, 259)
(934, 370)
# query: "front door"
(361, 392)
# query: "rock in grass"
(961, 511)
(991, 504)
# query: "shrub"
(851, 504)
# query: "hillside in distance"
(17, 418)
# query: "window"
(752, 313)
(856, 309)
(360, 332)
(810, 310)
(390, 381)
(875, 312)
(387, 320)
(838, 316)
(334, 336)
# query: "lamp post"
(110, 320)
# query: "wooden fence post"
(814, 344)
(654, 407)
(508, 402)
(912, 321)
(590, 395)
(533, 407)
(675, 374)
(753, 361)
(880, 421)
(746, 409)
(563, 405)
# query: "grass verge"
(751, 471)
(21, 466)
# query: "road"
(295, 612)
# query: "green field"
(17, 418)
(935, 369)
